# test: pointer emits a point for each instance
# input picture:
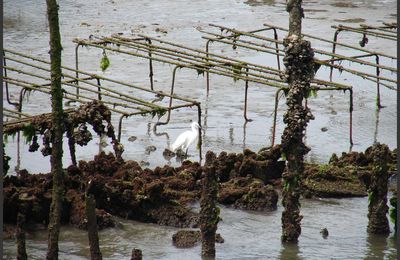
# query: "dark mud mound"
(332, 181)
(362, 159)
(248, 193)
(247, 180)
(346, 176)
(264, 165)
(121, 189)
(159, 196)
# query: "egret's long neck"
(195, 130)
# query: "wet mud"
(190, 238)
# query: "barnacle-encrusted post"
(377, 191)
(299, 73)
(209, 212)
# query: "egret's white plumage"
(185, 139)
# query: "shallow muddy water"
(25, 30)
(248, 235)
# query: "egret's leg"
(186, 152)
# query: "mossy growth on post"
(393, 212)
(209, 212)
(377, 191)
(299, 63)
(57, 121)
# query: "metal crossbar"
(31, 73)
(159, 50)
(261, 43)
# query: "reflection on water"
(290, 251)
(377, 245)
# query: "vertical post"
(120, 127)
(209, 212)
(76, 69)
(299, 62)
(378, 89)
(207, 73)
(275, 115)
(377, 191)
(351, 117)
(93, 235)
(20, 234)
(333, 51)
(171, 98)
(98, 89)
(245, 97)
(277, 48)
(200, 140)
(150, 65)
(57, 131)
(71, 144)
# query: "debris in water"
(150, 149)
(324, 232)
(132, 139)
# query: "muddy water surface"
(25, 30)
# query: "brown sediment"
(190, 238)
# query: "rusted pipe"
(335, 36)
(150, 66)
(6, 83)
(245, 99)
(351, 117)
(170, 99)
(208, 73)
(378, 92)
(200, 141)
(77, 68)
(99, 89)
(277, 48)
(120, 126)
(275, 115)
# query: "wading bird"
(186, 138)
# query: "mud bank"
(248, 180)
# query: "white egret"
(185, 139)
